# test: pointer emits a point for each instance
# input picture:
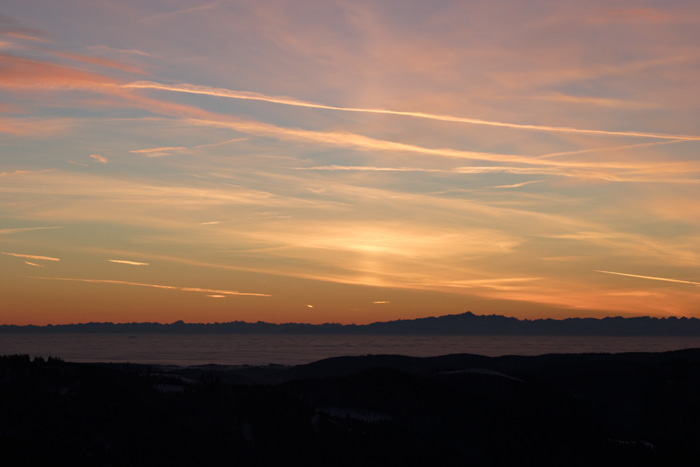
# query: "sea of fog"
(242, 349)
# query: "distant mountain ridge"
(459, 324)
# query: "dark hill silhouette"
(638, 409)
(460, 324)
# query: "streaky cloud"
(42, 258)
(106, 49)
(518, 185)
(220, 143)
(246, 95)
(27, 35)
(641, 173)
(180, 11)
(27, 229)
(124, 261)
(34, 264)
(155, 286)
(664, 279)
(157, 150)
(33, 126)
(166, 150)
(98, 61)
(588, 100)
(365, 168)
(490, 282)
(25, 172)
(22, 73)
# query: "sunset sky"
(348, 161)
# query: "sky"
(348, 161)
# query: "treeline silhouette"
(638, 409)
(460, 324)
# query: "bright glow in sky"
(348, 161)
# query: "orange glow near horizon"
(339, 163)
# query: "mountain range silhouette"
(457, 324)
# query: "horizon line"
(181, 322)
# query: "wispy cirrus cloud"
(587, 100)
(156, 286)
(157, 152)
(133, 197)
(23, 126)
(179, 11)
(11, 28)
(518, 185)
(102, 49)
(169, 150)
(27, 35)
(99, 61)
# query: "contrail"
(19, 255)
(664, 279)
(342, 139)
(232, 94)
(609, 148)
(156, 286)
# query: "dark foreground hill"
(573, 410)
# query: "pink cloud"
(638, 14)
(99, 61)
(11, 28)
(99, 158)
(20, 73)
